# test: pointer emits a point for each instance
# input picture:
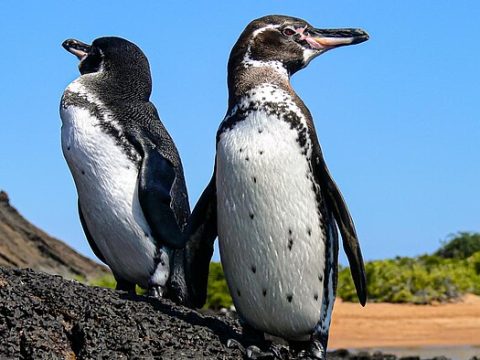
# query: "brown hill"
(23, 245)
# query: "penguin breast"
(271, 240)
(106, 181)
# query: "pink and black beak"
(326, 39)
(77, 48)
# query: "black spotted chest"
(270, 231)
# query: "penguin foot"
(234, 344)
(156, 291)
(315, 351)
(255, 353)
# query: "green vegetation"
(451, 271)
(108, 281)
(105, 281)
(460, 246)
(419, 280)
(218, 295)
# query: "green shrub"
(105, 281)
(418, 280)
(218, 295)
(460, 246)
(109, 282)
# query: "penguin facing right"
(132, 197)
(271, 200)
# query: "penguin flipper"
(89, 236)
(122, 284)
(336, 203)
(156, 177)
(201, 231)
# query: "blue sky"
(398, 116)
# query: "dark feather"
(336, 204)
(201, 232)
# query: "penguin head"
(290, 41)
(116, 63)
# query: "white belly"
(106, 181)
(271, 244)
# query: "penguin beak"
(326, 39)
(77, 48)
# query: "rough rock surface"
(44, 316)
(23, 245)
(47, 317)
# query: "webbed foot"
(313, 350)
(156, 291)
(158, 279)
(253, 352)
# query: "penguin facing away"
(271, 200)
(132, 197)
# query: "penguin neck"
(118, 89)
(249, 74)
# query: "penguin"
(271, 200)
(132, 197)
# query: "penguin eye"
(288, 31)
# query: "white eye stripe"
(262, 29)
(248, 61)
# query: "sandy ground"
(384, 325)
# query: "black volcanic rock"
(44, 316)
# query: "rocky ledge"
(47, 317)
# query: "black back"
(117, 72)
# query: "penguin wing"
(201, 232)
(89, 236)
(337, 205)
(155, 181)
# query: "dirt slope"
(23, 245)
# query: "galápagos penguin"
(271, 200)
(132, 197)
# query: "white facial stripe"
(309, 54)
(101, 68)
(259, 31)
(254, 35)
(248, 61)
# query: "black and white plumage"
(133, 201)
(271, 200)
